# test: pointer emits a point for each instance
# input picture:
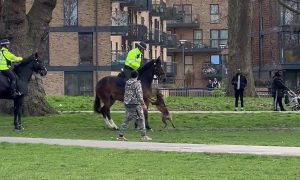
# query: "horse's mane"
(27, 60)
(148, 65)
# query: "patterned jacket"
(133, 92)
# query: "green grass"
(80, 103)
(250, 129)
(25, 161)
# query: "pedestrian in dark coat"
(278, 89)
(239, 83)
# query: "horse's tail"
(97, 105)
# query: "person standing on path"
(239, 83)
(134, 106)
(278, 89)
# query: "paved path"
(196, 112)
(153, 146)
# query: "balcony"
(196, 46)
(118, 60)
(184, 21)
(211, 70)
(154, 37)
(136, 32)
(119, 18)
(135, 4)
(168, 40)
(164, 12)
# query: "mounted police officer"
(134, 106)
(134, 59)
(6, 58)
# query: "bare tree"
(25, 32)
(239, 43)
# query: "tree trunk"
(25, 33)
(239, 44)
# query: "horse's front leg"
(19, 115)
(16, 113)
(147, 102)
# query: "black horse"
(24, 71)
(108, 90)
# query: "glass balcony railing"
(118, 59)
(137, 32)
(184, 20)
(169, 40)
(199, 45)
(164, 12)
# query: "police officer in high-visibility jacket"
(6, 58)
(134, 59)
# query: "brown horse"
(108, 90)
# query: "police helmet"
(142, 45)
(4, 42)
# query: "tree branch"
(288, 7)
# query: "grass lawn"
(27, 161)
(80, 103)
(250, 129)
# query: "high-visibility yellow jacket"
(134, 58)
(5, 57)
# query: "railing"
(211, 70)
(184, 20)
(164, 12)
(186, 92)
(154, 36)
(168, 40)
(118, 59)
(119, 18)
(196, 45)
(137, 4)
(137, 32)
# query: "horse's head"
(158, 69)
(38, 65)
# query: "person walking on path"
(239, 83)
(134, 106)
(278, 89)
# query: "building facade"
(202, 33)
(88, 40)
(275, 42)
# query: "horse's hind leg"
(104, 111)
(112, 101)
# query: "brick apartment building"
(275, 42)
(201, 28)
(88, 40)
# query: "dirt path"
(153, 146)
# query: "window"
(198, 39)
(215, 59)
(170, 66)
(218, 37)
(188, 64)
(70, 12)
(183, 13)
(214, 13)
(86, 48)
(79, 83)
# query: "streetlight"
(182, 43)
(224, 68)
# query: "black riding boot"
(14, 89)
